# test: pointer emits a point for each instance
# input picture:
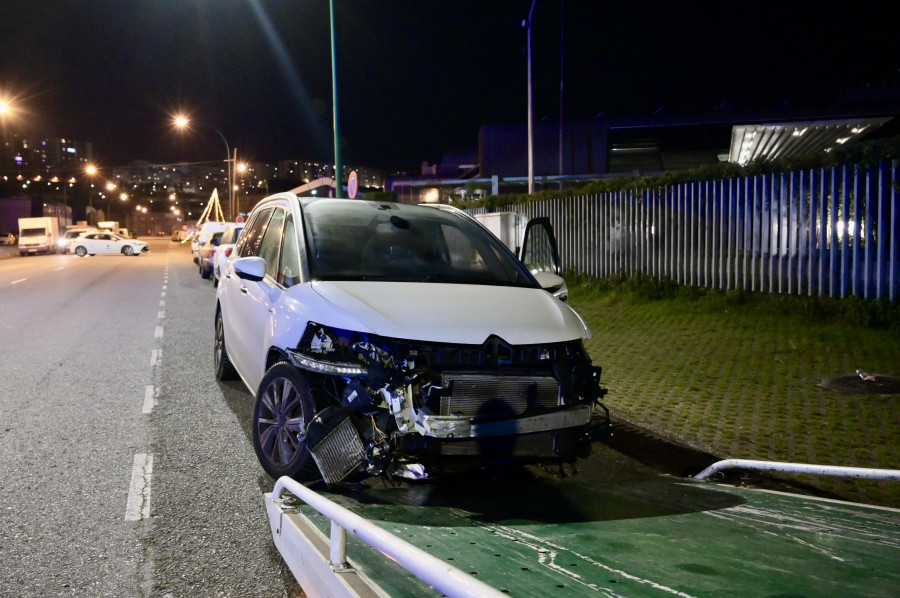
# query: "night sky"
(417, 78)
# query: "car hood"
(454, 313)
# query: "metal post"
(337, 553)
(530, 109)
(334, 95)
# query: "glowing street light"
(91, 170)
(183, 122)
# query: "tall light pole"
(91, 171)
(183, 122)
(530, 115)
(334, 95)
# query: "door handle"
(244, 290)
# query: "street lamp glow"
(182, 122)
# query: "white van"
(206, 231)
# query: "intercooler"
(339, 452)
(488, 395)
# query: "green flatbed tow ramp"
(653, 536)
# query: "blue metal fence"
(831, 232)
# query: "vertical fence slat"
(833, 231)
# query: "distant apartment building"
(305, 171)
(28, 157)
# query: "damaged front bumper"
(455, 427)
(396, 402)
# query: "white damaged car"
(384, 338)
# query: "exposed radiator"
(480, 394)
(339, 453)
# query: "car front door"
(540, 255)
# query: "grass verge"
(740, 374)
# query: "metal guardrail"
(445, 578)
(826, 470)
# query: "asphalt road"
(126, 469)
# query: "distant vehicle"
(203, 235)
(224, 250)
(112, 226)
(7, 238)
(93, 243)
(179, 235)
(38, 235)
(72, 233)
(205, 255)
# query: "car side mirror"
(252, 268)
(553, 284)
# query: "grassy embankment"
(740, 374)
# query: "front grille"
(486, 395)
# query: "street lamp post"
(530, 114)
(91, 171)
(110, 186)
(182, 122)
(334, 95)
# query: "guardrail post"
(338, 548)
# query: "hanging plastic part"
(321, 342)
(396, 402)
(356, 397)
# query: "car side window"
(271, 243)
(250, 242)
(289, 271)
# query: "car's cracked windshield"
(398, 243)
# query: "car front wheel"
(284, 407)
(128, 250)
(80, 251)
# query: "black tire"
(80, 251)
(128, 250)
(283, 409)
(224, 369)
(204, 273)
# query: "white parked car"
(94, 243)
(224, 250)
(207, 230)
(382, 337)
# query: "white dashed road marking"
(138, 506)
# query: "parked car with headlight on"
(94, 243)
(72, 233)
(385, 337)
